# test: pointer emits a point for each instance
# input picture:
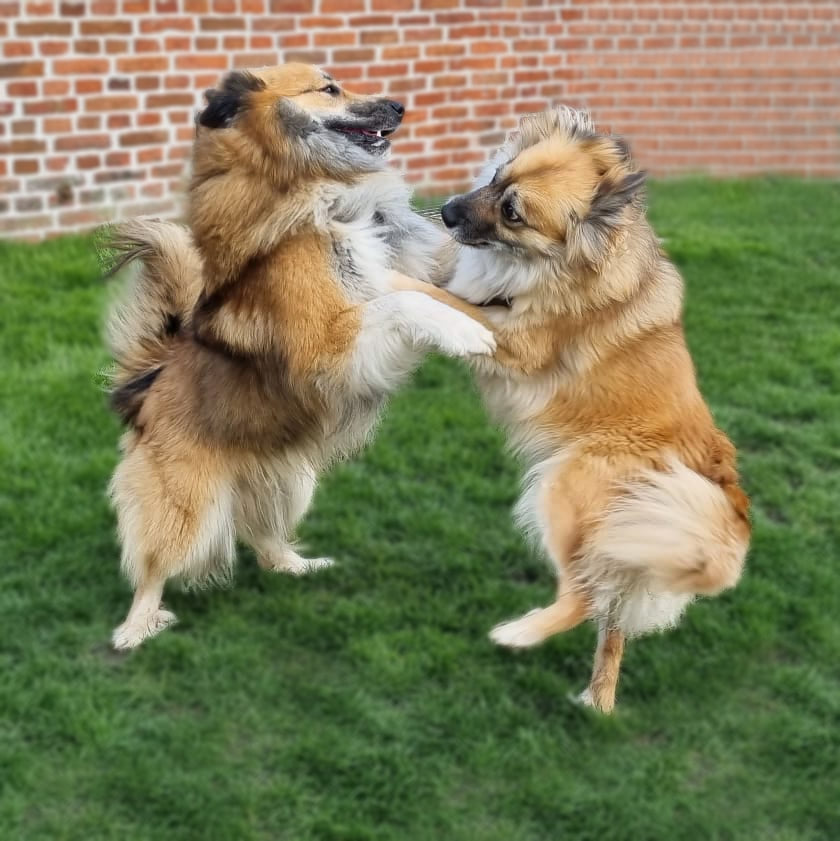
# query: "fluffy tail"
(686, 533)
(154, 306)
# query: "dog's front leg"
(395, 330)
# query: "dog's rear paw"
(603, 703)
(291, 563)
(519, 633)
(131, 633)
(308, 565)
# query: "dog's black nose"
(397, 106)
(452, 213)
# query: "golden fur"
(631, 488)
(260, 343)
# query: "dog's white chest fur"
(373, 231)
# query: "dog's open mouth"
(371, 139)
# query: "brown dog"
(259, 345)
(631, 489)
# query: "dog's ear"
(608, 152)
(613, 195)
(225, 102)
(590, 238)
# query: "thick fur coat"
(630, 488)
(260, 343)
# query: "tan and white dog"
(630, 489)
(260, 344)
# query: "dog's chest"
(362, 260)
(365, 245)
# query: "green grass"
(367, 702)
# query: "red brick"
(88, 161)
(89, 122)
(105, 27)
(51, 106)
(16, 49)
(342, 56)
(245, 60)
(83, 86)
(82, 141)
(143, 64)
(25, 166)
(279, 7)
(22, 89)
(168, 100)
(200, 62)
(152, 155)
(24, 146)
(80, 66)
(143, 138)
(217, 24)
(147, 83)
(57, 125)
(343, 6)
(331, 39)
(392, 5)
(118, 121)
(111, 103)
(379, 36)
(18, 69)
(39, 28)
(156, 24)
(306, 56)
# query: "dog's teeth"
(379, 134)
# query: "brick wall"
(97, 98)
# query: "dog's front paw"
(459, 335)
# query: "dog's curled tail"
(154, 307)
(686, 533)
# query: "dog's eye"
(509, 212)
(332, 90)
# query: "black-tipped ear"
(612, 197)
(589, 240)
(224, 103)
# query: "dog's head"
(294, 120)
(558, 190)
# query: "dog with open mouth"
(630, 489)
(260, 343)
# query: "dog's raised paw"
(460, 336)
(518, 633)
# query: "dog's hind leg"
(146, 617)
(600, 693)
(547, 508)
(270, 503)
(531, 629)
(175, 519)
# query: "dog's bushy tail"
(686, 533)
(154, 307)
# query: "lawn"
(366, 702)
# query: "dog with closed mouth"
(631, 489)
(259, 344)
